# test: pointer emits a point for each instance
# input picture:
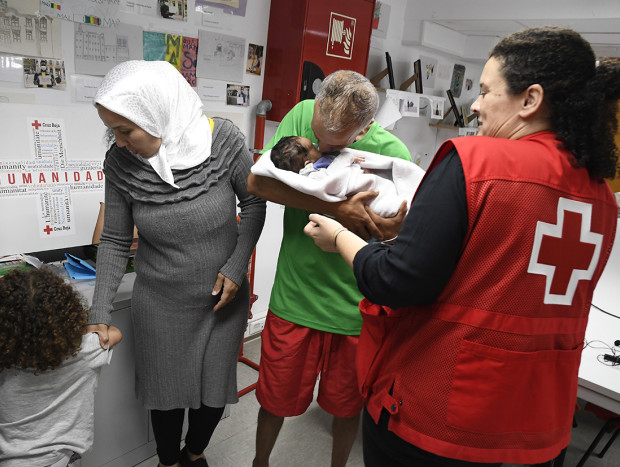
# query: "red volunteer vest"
(488, 373)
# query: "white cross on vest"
(565, 252)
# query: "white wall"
(415, 132)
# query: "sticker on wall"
(341, 36)
(458, 76)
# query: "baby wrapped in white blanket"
(350, 172)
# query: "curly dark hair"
(580, 94)
(289, 154)
(42, 319)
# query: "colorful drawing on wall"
(190, 57)
(381, 19)
(255, 59)
(456, 83)
(44, 73)
(102, 14)
(234, 7)
(429, 72)
(154, 45)
(173, 50)
(237, 95)
(179, 51)
(173, 9)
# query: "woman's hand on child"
(322, 229)
(102, 331)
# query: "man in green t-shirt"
(313, 323)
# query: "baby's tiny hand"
(358, 159)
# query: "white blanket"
(396, 179)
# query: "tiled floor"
(305, 441)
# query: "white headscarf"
(157, 98)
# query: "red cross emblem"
(36, 124)
(47, 229)
(566, 252)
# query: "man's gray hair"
(346, 99)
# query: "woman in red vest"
(474, 318)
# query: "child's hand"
(115, 335)
(358, 159)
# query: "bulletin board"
(51, 178)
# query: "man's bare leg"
(344, 432)
(267, 432)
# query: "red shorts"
(293, 356)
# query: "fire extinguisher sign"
(341, 36)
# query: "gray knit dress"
(186, 353)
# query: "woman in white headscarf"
(176, 175)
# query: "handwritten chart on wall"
(51, 178)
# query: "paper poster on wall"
(31, 33)
(51, 177)
(220, 56)
(190, 57)
(173, 9)
(233, 7)
(44, 73)
(98, 50)
(153, 46)
(381, 19)
(211, 90)
(85, 87)
(429, 71)
(255, 59)
(140, 7)
(102, 13)
(180, 52)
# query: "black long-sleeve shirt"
(415, 269)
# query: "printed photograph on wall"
(237, 95)
(173, 9)
(44, 73)
(255, 59)
(410, 106)
(458, 77)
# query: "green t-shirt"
(313, 288)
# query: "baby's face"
(313, 153)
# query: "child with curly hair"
(48, 370)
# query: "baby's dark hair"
(289, 154)
(42, 320)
